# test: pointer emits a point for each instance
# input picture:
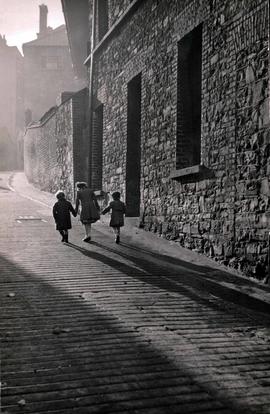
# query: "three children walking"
(88, 206)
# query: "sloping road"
(100, 328)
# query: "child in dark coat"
(61, 214)
(117, 217)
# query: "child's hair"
(81, 184)
(116, 195)
(60, 195)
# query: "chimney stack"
(43, 12)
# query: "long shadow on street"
(174, 274)
(61, 354)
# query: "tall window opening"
(188, 145)
(103, 19)
(97, 148)
(133, 156)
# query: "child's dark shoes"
(87, 239)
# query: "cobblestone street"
(105, 328)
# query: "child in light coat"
(89, 208)
(118, 209)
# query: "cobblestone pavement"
(101, 328)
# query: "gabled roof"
(53, 37)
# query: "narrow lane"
(98, 328)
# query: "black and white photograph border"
(135, 207)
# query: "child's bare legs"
(116, 231)
(87, 228)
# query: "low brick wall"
(50, 145)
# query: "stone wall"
(52, 145)
(223, 213)
(252, 214)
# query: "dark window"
(188, 145)
(133, 160)
(102, 13)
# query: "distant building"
(47, 68)
(11, 103)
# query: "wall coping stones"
(51, 112)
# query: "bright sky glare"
(19, 19)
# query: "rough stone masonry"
(223, 209)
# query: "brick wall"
(223, 213)
(80, 136)
(96, 149)
(55, 148)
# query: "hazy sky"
(19, 19)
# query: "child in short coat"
(117, 217)
(61, 214)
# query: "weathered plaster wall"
(43, 83)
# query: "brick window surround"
(189, 84)
(133, 155)
(97, 148)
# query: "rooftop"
(52, 37)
